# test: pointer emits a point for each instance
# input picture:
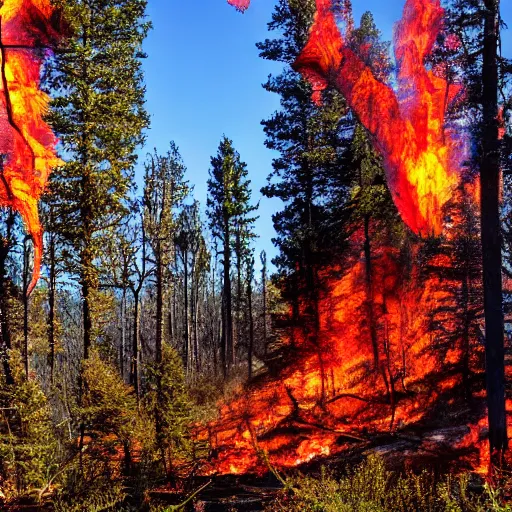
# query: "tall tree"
(491, 233)
(311, 142)
(165, 189)
(191, 248)
(7, 243)
(98, 114)
(230, 213)
(474, 57)
(263, 259)
(249, 261)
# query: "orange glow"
(26, 143)
(331, 397)
(379, 370)
(422, 156)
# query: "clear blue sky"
(204, 77)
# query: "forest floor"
(416, 449)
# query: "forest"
(153, 357)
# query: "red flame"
(422, 156)
(330, 398)
(240, 5)
(27, 144)
(340, 390)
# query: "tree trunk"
(122, 348)
(228, 309)
(491, 238)
(238, 307)
(134, 374)
(4, 314)
(186, 336)
(87, 320)
(369, 291)
(159, 307)
(251, 327)
(26, 280)
(194, 304)
(51, 306)
(264, 282)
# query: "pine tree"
(231, 216)
(168, 408)
(194, 259)
(28, 445)
(165, 189)
(307, 177)
(476, 26)
(98, 114)
(491, 234)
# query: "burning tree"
(425, 162)
(425, 156)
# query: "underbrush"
(370, 487)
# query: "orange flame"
(27, 144)
(422, 156)
(329, 398)
(385, 371)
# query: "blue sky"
(204, 76)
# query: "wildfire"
(27, 144)
(422, 156)
(329, 398)
(339, 390)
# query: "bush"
(372, 488)
(107, 414)
(28, 446)
(167, 408)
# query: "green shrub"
(28, 446)
(93, 480)
(166, 410)
(370, 487)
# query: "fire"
(27, 144)
(423, 157)
(330, 398)
(339, 390)
(240, 5)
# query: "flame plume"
(331, 397)
(422, 156)
(27, 144)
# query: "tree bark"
(26, 280)
(251, 327)
(188, 355)
(228, 309)
(264, 283)
(87, 319)
(159, 306)
(122, 348)
(491, 237)
(5, 245)
(51, 306)
(134, 373)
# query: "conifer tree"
(165, 189)
(98, 114)
(311, 142)
(193, 255)
(231, 216)
(476, 25)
